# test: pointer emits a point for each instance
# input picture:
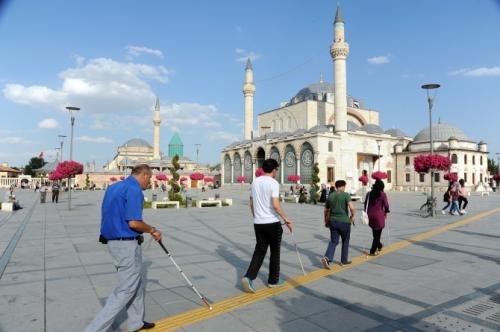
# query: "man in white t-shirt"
(266, 211)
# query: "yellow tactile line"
(192, 316)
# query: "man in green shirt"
(337, 219)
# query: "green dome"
(175, 147)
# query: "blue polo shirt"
(122, 202)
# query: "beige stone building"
(323, 124)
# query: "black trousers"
(376, 244)
(55, 196)
(461, 200)
(267, 235)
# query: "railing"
(8, 182)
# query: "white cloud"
(101, 85)
(79, 60)
(94, 139)
(477, 72)
(223, 136)
(48, 124)
(190, 115)
(14, 140)
(140, 50)
(243, 55)
(379, 60)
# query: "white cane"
(298, 255)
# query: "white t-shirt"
(264, 188)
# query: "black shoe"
(346, 263)
(146, 326)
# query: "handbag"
(364, 213)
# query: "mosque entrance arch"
(247, 170)
(306, 163)
(227, 169)
(275, 154)
(261, 156)
(290, 163)
(237, 166)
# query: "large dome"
(372, 129)
(441, 132)
(316, 91)
(137, 142)
(395, 132)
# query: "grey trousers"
(129, 293)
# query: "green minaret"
(175, 147)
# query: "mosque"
(323, 124)
(139, 151)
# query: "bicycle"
(429, 206)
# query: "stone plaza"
(435, 274)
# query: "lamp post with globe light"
(430, 100)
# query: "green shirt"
(337, 203)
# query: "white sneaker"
(443, 211)
(463, 212)
(455, 213)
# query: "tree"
(492, 166)
(175, 188)
(315, 183)
(34, 163)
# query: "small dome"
(372, 129)
(352, 126)
(299, 132)
(319, 129)
(136, 143)
(395, 132)
(441, 132)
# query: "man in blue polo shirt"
(121, 229)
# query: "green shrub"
(146, 205)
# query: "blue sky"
(112, 57)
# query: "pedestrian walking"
(55, 191)
(122, 227)
(447, 199)
(313, 196)
(462, 197)
(377, 207)
(337, 218)
(43, 192)
(455, 193)
(322, 197)
(266, 211)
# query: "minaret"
(339, 52)
(156, 123)
(248, 92)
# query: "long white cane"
(298, 255)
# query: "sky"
(112, 58)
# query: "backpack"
(446, 196)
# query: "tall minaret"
(339, 52)
(248, 92)
(156, 123)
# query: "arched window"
(289, 123)
(274, 125)
(407, 161)
(465, 159)
(481, 160)
(330, 146)
(473, 160)
(454, 158)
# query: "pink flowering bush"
(113, 179)
(424, 163)
(69, 168)
(196, 176)
(122, 178)
(363, 179)
(451, 177)
(241, 179)
(183, 179)
(378, 175)
(208, 179)
(496, 177)
(259, 172)
(161, 177)
(55, 176)
(293, 178)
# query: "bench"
(155, 204)
(485, 193)
(7, 206)
(216, 202)
(227, 201)
(290, 199)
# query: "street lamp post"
(430, 101)
(379, 141)
(57, 153)
(61, 141)
(71, 110)
(197, 153)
